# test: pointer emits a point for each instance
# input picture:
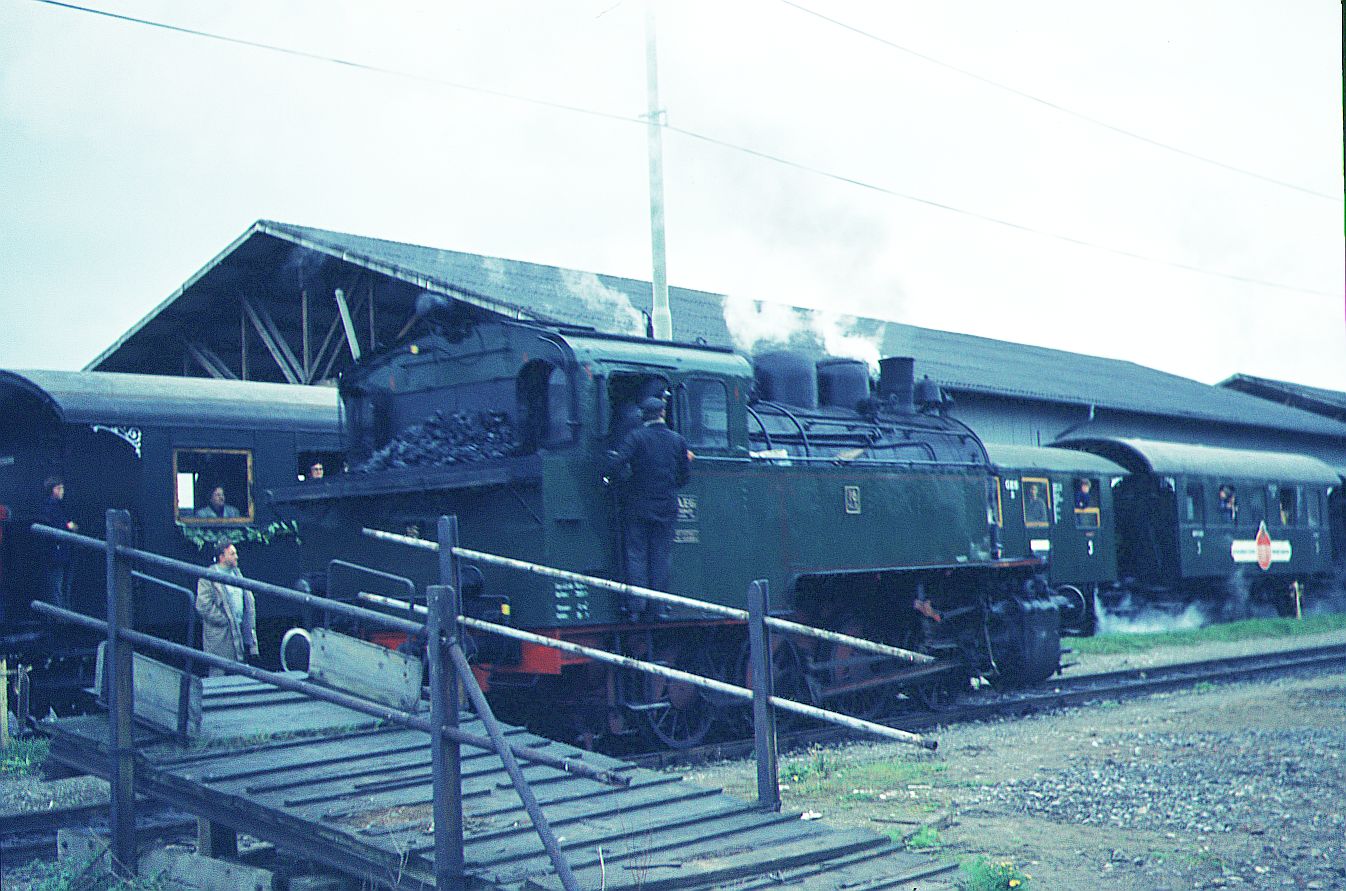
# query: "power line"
(347, 63)
(691, 134)
(996, 220)
(1055, 106)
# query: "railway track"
(1058, 693)
(32, 835)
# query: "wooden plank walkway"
(334, 786)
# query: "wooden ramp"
(332, 786)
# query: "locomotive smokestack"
(896, 381)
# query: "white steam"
(612, 309)
(1125, 617)
(756, 325)
(840, 338)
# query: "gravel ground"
(1241, 785)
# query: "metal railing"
(448, 671)
(759, 622)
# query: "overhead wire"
(682, 131)
(1023, 94)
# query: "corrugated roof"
(87, 397)
(1180, 458)
(611, 303)
(1315, 399)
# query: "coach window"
(1285, 501)
(1253, 510)
(213, 486)
(1313, 507)
(1085, 496)
(312, 466)
(703, 413)
(1194, 504)
(1037, 501)
(1228, 506)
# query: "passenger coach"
(1219, 522)
(158, 447)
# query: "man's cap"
(651, 407)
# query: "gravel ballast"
(1240, 785)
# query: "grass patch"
(927, 837)
(1249, 629)
(79, 876)
(822, 772)
(981, 874)
(23, 757)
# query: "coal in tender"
(444, 440)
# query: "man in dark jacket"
(659, 464)
(56, 571)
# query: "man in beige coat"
(228, 612)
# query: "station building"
(295, 304)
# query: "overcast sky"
(130, 156)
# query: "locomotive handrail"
(826, 459)
(730, 612)
(673, 674)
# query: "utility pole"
(661, 319)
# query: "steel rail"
(674, 674)
(334, 697)
(1074, 692)
(566, 575)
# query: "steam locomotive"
(866, 511)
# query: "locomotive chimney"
(896, 379)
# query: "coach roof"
(100, 397)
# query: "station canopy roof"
(1330, 403)
(265, 309)
(1186, 459)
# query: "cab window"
(994, 515)
(1194, 504)
(626, 390)
(213, 486)
(1085, 497)
(703, 413)
(544, 405)
(1037, 501)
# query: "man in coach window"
(660, 464)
